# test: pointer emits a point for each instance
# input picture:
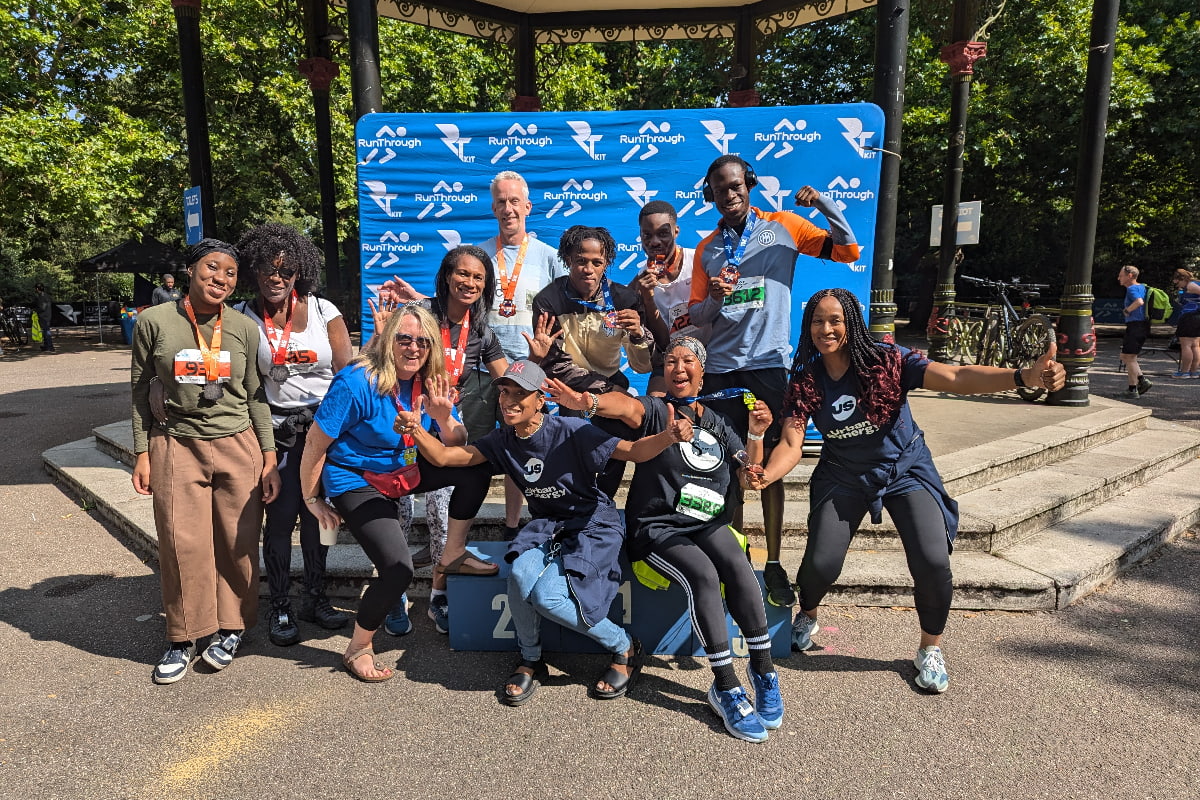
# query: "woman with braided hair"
(855, 390)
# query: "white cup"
(329, 536)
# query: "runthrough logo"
(768, 186)
(391, 244)
(856, 136)
(518, 137)
(717, 136)
(387, 140)
(572, 192)
(586, 139)
(784, 133)
(650, 135)
(456, 143)
(638, 191)
(444, 194)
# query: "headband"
(205, 246)
(691, 343)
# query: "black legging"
(277, 533)
(918, 518)
(374, 521)
(700, 564)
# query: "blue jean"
(537, 587)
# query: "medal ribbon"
(734, 257)
(721, 395)
(409, 442)
(678, 254)
(278, 349)
(509, 285)
(608, 303)
(456, 358)
(211, 355)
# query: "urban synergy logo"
(650, 135)
(517, 141)
(457, 143)
(586, 139)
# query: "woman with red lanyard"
(304, 342)
(202, 434)
(463, 290)
(367, 469)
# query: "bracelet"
(755, 437)
(312, 500)
(591, 412)
(1019, 380)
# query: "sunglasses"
(404, 340)
(286, 273)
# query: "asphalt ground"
(1102, 699)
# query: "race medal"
(279, 373)
(749, 399)
(278, 345)
(213, 391)
(455, 395)
(507, 308)
(210, 353)
(730, 275)
(610, 323)
(658, 266)
(508, 285)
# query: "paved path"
(1099, 700)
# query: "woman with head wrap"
(303, 341)
(202, 434)
(678, 514)
(855, 390)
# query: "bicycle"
(12, 326)
(1009, 338)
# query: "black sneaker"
(779, 588)
(317, 608)
(283, 630)
(174, 663)
(511, 531)
(220, 652)
(1143, 385)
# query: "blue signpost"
(192, 220)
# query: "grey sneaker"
(802, 631)
(1143, 385)
(439, 612)
(174, 663)
(282, 628)
(931, 669)
(219, 654)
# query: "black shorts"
(1189, 326)
(1136, 334)
(768, 385)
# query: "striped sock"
(721, 664)
(759, 642)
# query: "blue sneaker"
(738, 715)
(802, 631)
(397, 622)
(219, 654)
(768, 701)
(931, 669)
(439, 612)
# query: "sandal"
(348, 663)
(524, 681)
(460, 566)
(620, 682)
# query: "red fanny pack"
(400, 483)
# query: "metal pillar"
(191, 66)
(891, 54)
(320, 72)
(960, 55)
(1076, 333)
(364, 57)
(743, 94)
(525, 56)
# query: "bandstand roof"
(597, 21)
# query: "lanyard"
(734, 257)
(509, 285)
(608, 303)
(278, 349)
(749, 399)
(409, 441)
(457, 358)
(211, 355)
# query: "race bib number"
(751, 292)
(189, 367)
(300, 361)
(681, 320)
(699, 502)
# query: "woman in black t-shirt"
(678, 519)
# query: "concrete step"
(1010, 509)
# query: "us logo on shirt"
(533, 468)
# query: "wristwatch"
(312, 500)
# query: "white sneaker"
(931, 669)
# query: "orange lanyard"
(412, 403)
(211, 355)
(509, 285)
(457, 358)
(675, 258)
(279, 351)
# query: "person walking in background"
(167, 293)
(303, 343)
(1188, 329)
(44, 306)
(205, 451)
(1137, 330)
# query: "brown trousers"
(208, 510)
